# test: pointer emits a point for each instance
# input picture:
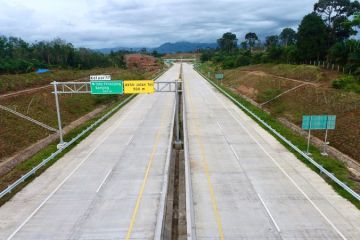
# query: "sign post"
(61, 144)
(309, 136)
(322, 122)
(325, 141)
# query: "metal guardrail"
(190, 216)
(160, 224)
(23, 178)
(312, 161)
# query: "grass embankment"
(300, 72)
(259, 83)
(16, 82)
(332, 165)
(17, 134)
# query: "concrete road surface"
(246, 185)
(107, 187)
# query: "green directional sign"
(321, 122)
(219, 76)
(107, 87)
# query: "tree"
(288, 37)
(244, 45)
(206, 55)
(155, 53)
(143, 51)
(335, 14)
(228, 42)
(251, 39)
(338, 53)
(290, 54)
(312, 35)
(272, 41)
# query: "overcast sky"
(149, 23)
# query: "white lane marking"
(283, 171)
(221, 128)
(233, 150)
(130, 140)
(268, 212)
(53, 192)
(109, 131)
(103, 181)
(262, 201)
(260, 198)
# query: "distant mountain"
(165, 48)
(184, 47)
(108, 50)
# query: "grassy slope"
(17, 134)
(322, 99)
(15, 82)
(334, 166)
(300, 72)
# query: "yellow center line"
(151, 159)
(205, 166)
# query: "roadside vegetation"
(18, 56)
(322, 39)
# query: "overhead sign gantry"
(102, 84)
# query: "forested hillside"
(326, 37)
(18, 56)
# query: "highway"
(110, 186)
(241, 182)
(246, 185)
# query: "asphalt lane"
(108, 187)
(246, 185)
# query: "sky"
(146, 23)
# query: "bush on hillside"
(349, 83)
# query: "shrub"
(348, 82)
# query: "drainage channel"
(175, 215)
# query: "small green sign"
(321, 122)
(107, 87)
(219, 76)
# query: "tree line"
(323, 35)
(19, 56)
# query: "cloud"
(132, 23)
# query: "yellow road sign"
(139, 86)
